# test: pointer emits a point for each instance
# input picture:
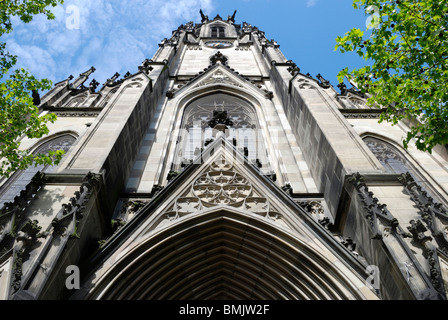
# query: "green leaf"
(19, 117)
(409, 51)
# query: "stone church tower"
(218, 170)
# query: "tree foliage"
(19, 116)
(406, 43)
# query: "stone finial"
(203, 16)
(93, 85)
(112, 80)
(232, 17)
(88, 72)
(145, 66)
(343, 88)
(323, 82)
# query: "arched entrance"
(224, 253)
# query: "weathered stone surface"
(217, 161)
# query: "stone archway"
(224, 253)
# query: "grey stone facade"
(219, 171)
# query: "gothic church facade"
(219, 170)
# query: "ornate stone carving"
(293, 69)
(93, 85)
(189, 26)
(156, 189)
(218, 17)
(242, 48)
(168, 42)
(269, 43)
(73, 113)
(323, 82)
(221, 184)
(12, 215)
(287, 189)
(432, 213)
(358, 103)
(247, 28)
(343, 88)
(172, 174)
(268, 94)
(350, 92)
(417, 230)
(316, 209)
(219, 57)
(170, 93)
(349, 244)
(220, 117)
(312, 207)
(129, 209)
(23, 239)
(374, 209)
(65, 223)
(145, 67)
(369, 114)
(326, 223)
(434, 269)
(305, 84)
(378, 213)
(218, 77)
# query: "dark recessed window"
(218, 32)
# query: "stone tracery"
(221, 184)
(210, 116)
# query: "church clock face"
(218, 44)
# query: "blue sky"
(117, 35)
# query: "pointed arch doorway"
(224, 253)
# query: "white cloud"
(37, 60)
(111, 35)
(311, 3)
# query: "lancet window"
(394, 162)
(20, 179)
(220, 115)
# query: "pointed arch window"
(20, 179)
(212, 116)
(391, 159)
(395, 162)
